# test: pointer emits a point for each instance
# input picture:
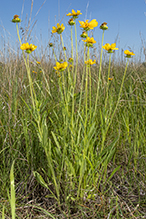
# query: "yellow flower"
(110, 79)
(109, 47)
(60, 66)
(16, 19)
(88, 25)
(74, 14)
(38, 63)
(59, 29)
(29, 48)
(90, 62)
(89, 41)
(128, 53)
(104, 26)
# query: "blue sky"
(125, 18)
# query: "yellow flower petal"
(74, 14)
(88, 25)
(59, 29)
(26, 46)
(90, 62)
(93, 23)
(109, 47)
(60, 66)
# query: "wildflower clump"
(29, 48)
(128, 53)
(88, 25)
(16, 19)
(89, 41)
(74, 14)
(59, 29)
(109, 47)
(104, 26)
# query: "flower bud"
(84, 34)
(70, 60)
(104, 26)
(16, 19)
(71, 22)
(28, 51)
(50, 44)
(89, 44)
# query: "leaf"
(115, 170)
(12, 199)
(56, 141)
(40, 179)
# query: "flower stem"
(83, 76)
(108, 81)
(66, 94)
(72, 87)
(86, 88)
(32, 92)
(119, 94)
(72, 49)
(112, 116)
(30, 81)
(99, 75)
(76, 53)
(18, 34)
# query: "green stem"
(82, 82)
(63, 79)
(99, 75)
(72, 52)
(30, 81)
(69, 79)
(86, 90)
(112, 116)
(27, 69)
(54, 55)
(108, 80)
(73, 89)
(119, 94)
(18, 33)
(76, 53)
(44, 77)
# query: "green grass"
(78, 142)
(78, 179)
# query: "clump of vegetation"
(72, 133)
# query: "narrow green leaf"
(12, 199)
(40, 179)
(3, 213)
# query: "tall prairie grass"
(77, 137)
